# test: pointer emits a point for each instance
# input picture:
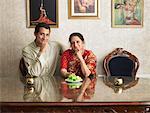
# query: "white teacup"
(118, 81)
(30, 80)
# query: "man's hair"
(76, 34)
(39, 25)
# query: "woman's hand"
(65, 73)
(79, 54)
(84, 67)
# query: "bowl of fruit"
(74, 81)
(72, 78)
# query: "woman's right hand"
(65, 73)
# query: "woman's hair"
(39, 25)
(76, 34)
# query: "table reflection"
(49, 89)
(41, 89)
(69, 91)
(72, 90)
(12, 90)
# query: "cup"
(118, 81)
(30, 81)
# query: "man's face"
(42, 36)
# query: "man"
(41, 58)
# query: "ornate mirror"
(120, 67)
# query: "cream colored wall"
(99, 35)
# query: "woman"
(81, 62)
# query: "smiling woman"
(82, 63)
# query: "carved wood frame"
(124, 53)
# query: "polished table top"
(13, 92)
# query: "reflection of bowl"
(74, 85)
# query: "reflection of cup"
(118, 90)
(118, 81)
(30, 81)
(29, 90)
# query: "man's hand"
(43, 47)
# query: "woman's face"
(77, 43)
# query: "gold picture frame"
(42, 11)
(83, 9)
(127, 13)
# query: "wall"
(99, 35)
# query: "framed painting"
(83, 9)
(42, 11)
(127, 13)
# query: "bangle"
(91, 76)
(82, 60)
